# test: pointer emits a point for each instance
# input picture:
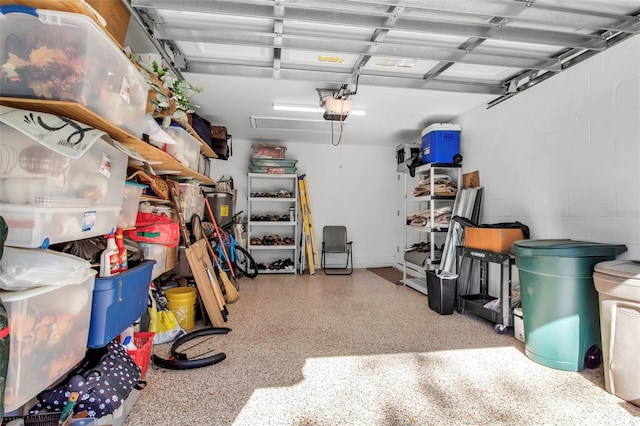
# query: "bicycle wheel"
(245, 263)
(193, 350)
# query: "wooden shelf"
(79, 112)
(79, 6)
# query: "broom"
(230, 291)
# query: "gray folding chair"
(335, 244)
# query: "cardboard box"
(497, 240)
(471, 179)
(165, 257)
(172, 258)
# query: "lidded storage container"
(64, 56)
(48, 324)
(130, 203)
(118, 301)
(186, 149)
(268, 151)
(559, 300)
(618, 285)
(57, 186)
(441, 144)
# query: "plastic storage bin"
(130, 203)
(268, 151)
(49, 327)
(618, 286)
(441, 144)
(118, 301)
(270, 162)
(441, 292)
(46, 197)
(187, 148)
(66, 57)
(190, 201)
(273, 166)
(157, 252)
(272, 170)
(559, 300)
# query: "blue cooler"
(441, 144)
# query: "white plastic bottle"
(126, 339)
(109, 259)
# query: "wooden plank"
(306, 235)
(471, 179)
(204, 285)
(82, 114)
(200, 248)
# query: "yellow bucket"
(182, 302)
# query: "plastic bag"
(22, 269)
(156, 229)
(162, 321)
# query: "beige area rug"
(355, 350)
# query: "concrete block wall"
(563, 157)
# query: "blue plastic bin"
(118, 301)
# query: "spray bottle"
(109, 258)
(122, 251)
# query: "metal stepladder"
(310, 251)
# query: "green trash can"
(560, 302)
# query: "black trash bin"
(441, 291)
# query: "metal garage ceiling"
(494, 47)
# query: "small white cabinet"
(272, 227)
(429, 199)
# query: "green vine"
(180, 89)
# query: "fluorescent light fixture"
(309, 108)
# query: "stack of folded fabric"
(443, 185)
(441, 218)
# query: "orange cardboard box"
(497, 240)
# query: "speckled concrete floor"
(359, 350)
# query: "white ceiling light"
(309, 108)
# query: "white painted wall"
(347, 185)
(563, 157)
